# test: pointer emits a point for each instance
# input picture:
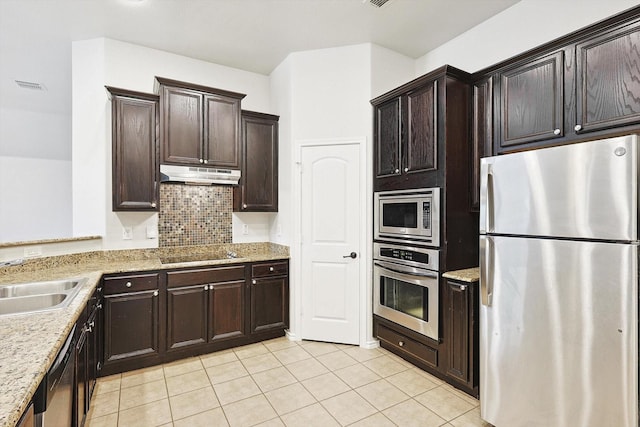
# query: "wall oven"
(405, 286)
(408, 216)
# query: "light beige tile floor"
(283, 383)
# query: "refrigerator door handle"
(486, 284)
(486, 196)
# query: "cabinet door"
(182, 127)
(258, 190)
(93, 352)
(132, 324)
(482, 134)
(532, 102)
(420, 152)
(221, 131)
(459, 331)
(81, 380)
(186, 316)
(269, 304)
(608, 87)
(388, 117)
(134, 146)
(226, 318)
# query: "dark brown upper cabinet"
(199, 125)
(532, 101)
(258, 187)
(608, 80)
(481, 134)
(411, 124)
(135, 175)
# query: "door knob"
(351, 255)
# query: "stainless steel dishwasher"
(53, 400)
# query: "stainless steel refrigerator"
(559, 286)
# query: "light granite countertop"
(467, 275)
(30, 342)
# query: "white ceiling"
(253, 35)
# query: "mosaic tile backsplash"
(194, 214)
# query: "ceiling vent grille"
(378, 3)
(30, 85)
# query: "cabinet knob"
(99, 306)
(155, 293)
(401, 343)
(271, 269)
(244, 206)
(206, 161)
(128, 284)
(253, 282)
(206, 287)
(578, 128)
(463, 287)
(153, 205)
(397, 170)
(92, 324)
(406, 169)
(556, 131)
(201, 160)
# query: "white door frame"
(366, 236)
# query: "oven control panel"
(416, 257)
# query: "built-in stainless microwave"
(408, 216)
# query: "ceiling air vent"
(30, 85)
(378, 3)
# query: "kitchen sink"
(22, 298)
(175, 259)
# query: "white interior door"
(330, 232)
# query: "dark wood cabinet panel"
(388, 135)
(421, 147)
(132, 323)
(134, 149)
(532, 101)
(221, 131)
(182, 126)
(199, 125)
(81, 380)
(608, 80)
(187, 316)
(269, 304)
(406, 346)
(462, 334)
(226, 302)
(258, 187)
(481, 134)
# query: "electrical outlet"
(152, 232)
(245, 228)
(33, 252)
(127, 233)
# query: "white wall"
(100, 62)
(523, 26)
(35, 199)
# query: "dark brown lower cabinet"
(132, 321)
(204, 305)
(269, 296)
(461, 329)
(81, 392)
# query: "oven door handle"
(405, 270)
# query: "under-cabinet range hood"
(198, 176)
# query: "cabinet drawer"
(409, 346)
(123, 284)
(205, 275)
(270, 269)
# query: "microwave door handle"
(400, 270)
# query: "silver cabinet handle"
(406, 169)
(99, 306)
(397, 170)
(201, 160)
(556, 131)
(155, 293)
(462, 287)
(153, 205)
(578, 128)
(244, 206)
(206, 161)
(253, 282)
(401, 343)
(206, 287)
(271, 269)
(128, 284)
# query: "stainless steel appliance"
(405, 286)
(53, 399)
(408, 216)
(559, 286)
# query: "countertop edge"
(465, 275)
